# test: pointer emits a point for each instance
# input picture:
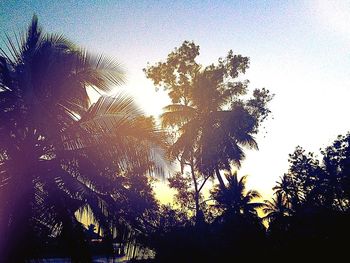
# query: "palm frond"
(109, 113)
(254, 194)
(59, 41)
(177, 115)
(100, 72)
(6, 73)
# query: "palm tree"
(284, 187)
(57, 151)
(212, 121)
(212, 132)
(234, 199)
(277, 208)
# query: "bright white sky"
(299, 50)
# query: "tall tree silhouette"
(58, 152)
(211, 120)
(336, 160)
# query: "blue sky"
(300, 50)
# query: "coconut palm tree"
(212, 122)
(57, 151)
(277, 208)
(284, 187)
(234, 199)
(212, 132)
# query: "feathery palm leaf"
(58, 153)
(234, 198)
(277, 208)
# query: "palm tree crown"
(234, 198)
(277, 208)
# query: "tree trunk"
(218, 175)
(196, 193)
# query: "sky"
(299, 50)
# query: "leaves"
(234, 198)
(60, 152)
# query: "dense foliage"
(307, 218)
(59, 153)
